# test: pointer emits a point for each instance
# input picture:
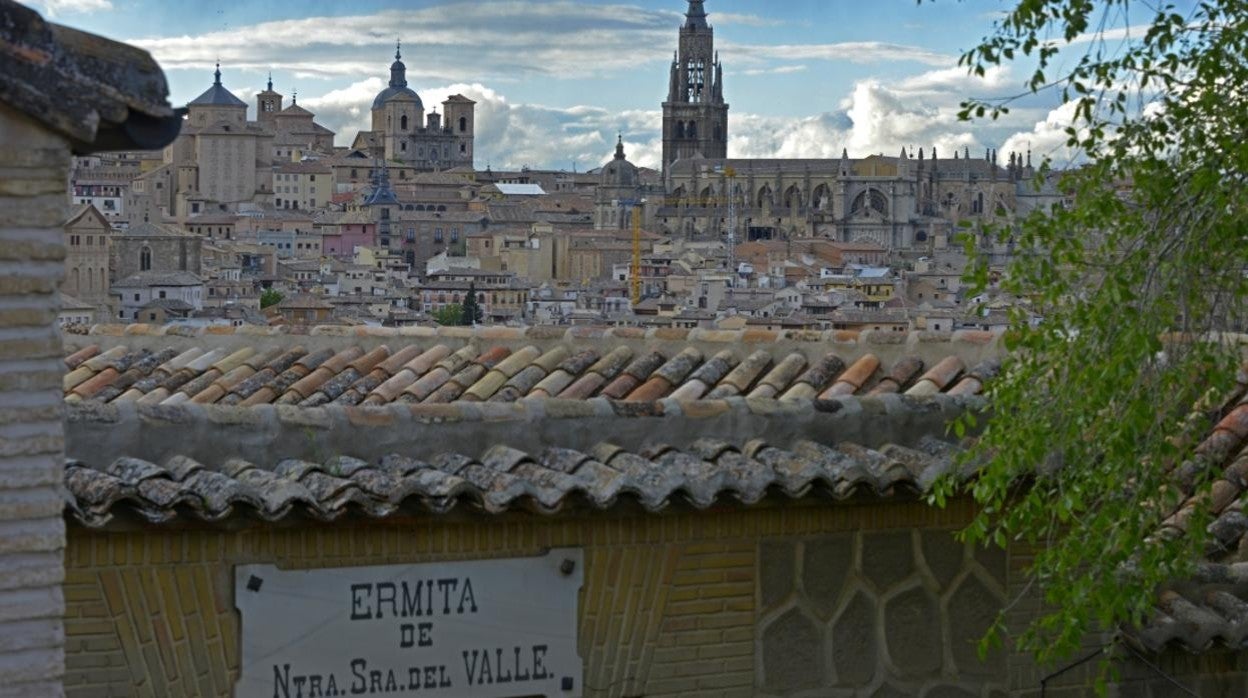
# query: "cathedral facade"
(402, 132)
(911, 201)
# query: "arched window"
(74, 276)
(145, 258)
(680, 129)
(872, 198)
(403, 122)
(463, 124)
(692, 130)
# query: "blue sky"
(556, 80)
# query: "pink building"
(351, 231)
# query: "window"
(437, 235)
(463, 148)
(162, 294)
(145, 259)
(403, 123)
(136, 296)
(454, 234)
(403, 146)
(463, 125)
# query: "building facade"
(403, 132)
(88, 236)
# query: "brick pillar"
(33, 173)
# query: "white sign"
(483, 628)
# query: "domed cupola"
(619, 172)
(397, 89)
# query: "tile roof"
(503, 479)
(1211, 609)
(565, 365)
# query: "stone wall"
(33, 172)
(878, 613)
(672, 605)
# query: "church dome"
(619, 172)
(397, 89)
(217, 95)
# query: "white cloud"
(849, 51)
(778, 70)
(1047, 138)
(53, 8)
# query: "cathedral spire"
(619, 147)
(695, 18)
(398, 46)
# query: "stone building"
(220, 157)
(402, 132)
(63, 92)
(695, 115)
(295, 131)
(88, 237)
(168, 290)
(908, 202)
(621, 188)
(153, 247)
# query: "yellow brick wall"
(668, 607)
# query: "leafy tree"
(472, 310)
(450, 314)
(270, 296)
(1095, 419)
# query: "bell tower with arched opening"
(695, 116)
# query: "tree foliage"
(1095, 419)
(450, 314)
(472, 313)
(270, 296)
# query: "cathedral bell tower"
(695, 116)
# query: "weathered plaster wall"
(679, 604)
(33, 171)
(267, 434)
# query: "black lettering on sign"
(386, 594)
(504, 676)
(447, 586)
(411, 602)
(359, 601)
(416, 634)
(519, 676)
(358, 681)
(468, 597)
(287, 686)
(539, 656)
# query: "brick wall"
(669, 606)
(33, 175)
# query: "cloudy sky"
(555, 80)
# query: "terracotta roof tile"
(557, 479)
(278, 371)
(853, 378)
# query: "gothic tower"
(695, 116)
